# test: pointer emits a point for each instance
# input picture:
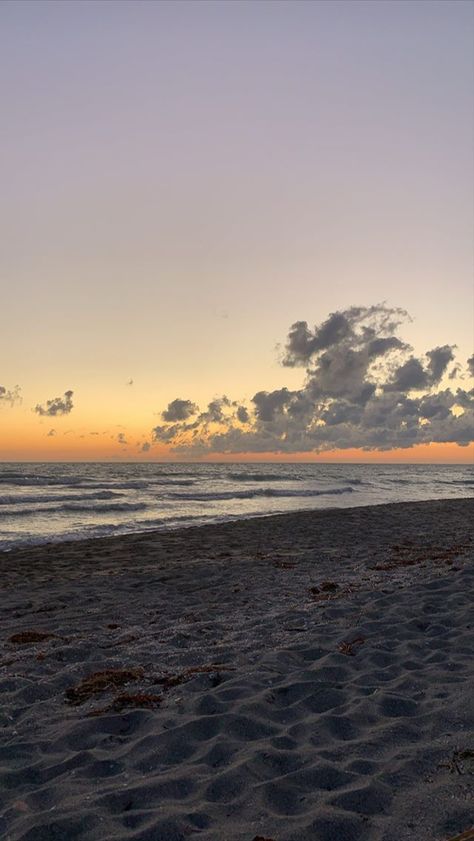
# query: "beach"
(298, 677)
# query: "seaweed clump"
(262, 838)
(168, 681)
(99, 682)
(30, 637)
(347, 648)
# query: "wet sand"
(300, 677)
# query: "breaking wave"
(266, 492)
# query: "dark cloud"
(179, 410)
(145, 447)
(122, 439)
(414, 375)
(269, 403)
(363, 388)
(353, 327)
(439, 359)
(470, 365)
(51, 433)
(57, 406)
(411, 375)
(215, 410)
(242, 414)
(10, 395)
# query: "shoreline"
(47, 545)
(292, 676)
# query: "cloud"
(470, 365)
(354, 327)
(242, 414)
(215, 410)
(11, 396)
(179, 410)
(363, 388)
(145, 447)
(122, 439)
(130, 382)
(413, 374)
(51, 433)
(57, 406)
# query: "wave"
(456, 481)
(265, 492)
(72, 507)
(93, 484)
(43, 498)
(262, 477)
(48, 481)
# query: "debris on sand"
(329, 586)
(468, 835)
(461, 762)
(99, 682)
(327, 591)
(170, 680)
(30, 637)
(347, 648)
(262, 838)
(410, 555)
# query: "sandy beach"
(301, 677)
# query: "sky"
(182, 182)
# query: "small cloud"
(10, 396)
(57, 406)
(130, 382)
(145, 447)
(51, 433)
(122, 440)
(179, 410)
(243, 414)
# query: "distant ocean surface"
(51, 502)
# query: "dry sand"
(303, 676)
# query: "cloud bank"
(57, 406)
(363, 388)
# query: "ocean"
(53, 502)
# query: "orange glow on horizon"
(105, 447)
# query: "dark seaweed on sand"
(109, 679)
(408, 555)
(99, 682)
(262, 838)
(170, 680)
(30, 637)
(347, 648)
(468, 835)
(461, 762)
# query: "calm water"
(42, 502)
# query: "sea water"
(50, 502)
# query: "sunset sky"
(182, 182)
